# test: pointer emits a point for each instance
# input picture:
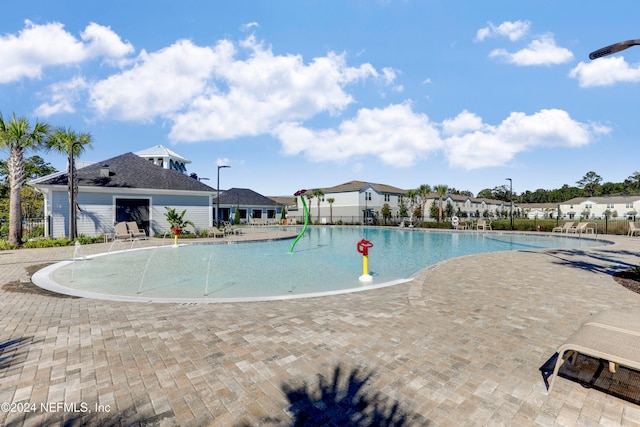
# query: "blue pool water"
(324, 261)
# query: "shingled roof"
(358, 185)
(129, 171)
(245, 197)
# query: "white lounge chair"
(483, 224)
(564, 228)
(582, 227)
(634, 229)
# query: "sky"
(295, 94)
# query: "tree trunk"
(15, 165)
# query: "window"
(367, 195)
(629, 205)
(609, 205)
(387, 198)
(271, 213)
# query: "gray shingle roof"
(244, 197)
(130, 171)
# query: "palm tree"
(423, 193)
(63, 141)
(318, 193)
(17, 136)
(330, 200)
(411, 195)
(441, 190)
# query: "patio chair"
(121, 231)
(215, 232)
(564, 228)
(612, 336)
(483, 224)
(230, 229)
(634, 228)
(582, 227)
(136, 233)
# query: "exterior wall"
(597, 209)
(98, 211)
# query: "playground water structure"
(325, 261)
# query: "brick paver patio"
(462, 344)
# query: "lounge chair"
(582, 227)
(136, 233)
(230, 229)
(215, 232)
(483, 224)
(121, 231)
(634, 228)
(612, 336)
(564, 228)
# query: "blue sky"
(301, 94)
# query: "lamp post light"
(218, 197)
(72, 193)
(614, 48)
(510, 203)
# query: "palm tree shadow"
(343, 400)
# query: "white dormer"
(165, 158)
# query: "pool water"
(324, 261)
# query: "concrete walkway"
(462, 344)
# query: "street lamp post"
(510, 203)
(218, 197)
(72, 193)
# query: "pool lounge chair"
(215, 232)
(582, 227)
(564, 228)
(612, 336)
(121, 233)
(483, 224)
(136, 233)
(634, 228)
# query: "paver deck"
(462, 344)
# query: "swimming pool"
(324, 261)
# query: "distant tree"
(485, 194)
(441, 189)
(590, 182)
(385, 211)
(402, 208)
(330, 200)
(318, 194)
(423, 193)
(412, 195)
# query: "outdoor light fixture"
(511, 203)
(614, 48)
(218, 198)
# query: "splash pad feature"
(306, 219)
(363, 248)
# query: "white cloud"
(63, 97)
(399, 137)
(266, 89)
(512, 30)
(395, 134)
(471, 144)
(542, 51)
(605, 72)
(39, 46)
(159, 83)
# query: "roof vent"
(104, 171)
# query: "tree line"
(591, 185)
